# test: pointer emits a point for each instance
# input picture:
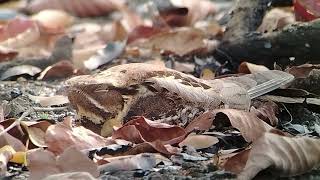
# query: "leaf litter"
(108, 88)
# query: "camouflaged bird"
(113, 96)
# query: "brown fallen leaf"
(144, 161)
(267, 111)
(236, 161)
(140, 130)
(207, 7)
(284, 156)
(152, 147)
(184, 12)
(6, 54)
(249, 125)
(49, 101)
(36, 132)
(143, 32)
(53, 21)
(62, 135)
(276, 19)
(180, 42)
(105, 55)
(249, 68)
(199, 141)
(79, 8)
(19, 33)
(71, 160)
(15, 143)
(61, 69)
(302, 71)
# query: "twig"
(291, 118)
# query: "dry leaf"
(235, 162)
(143, 130)
(56, 100)
(276, 19)
(7, 139)
(53, 21)
(249, 125)
(61, 69)
(6, 54)
(105, 55)
(61, 136)
(71, 160)
(199, 141)
(285, 156)
(249, 68)
(20, 70)
(81, 8)
(302, 71)
(184, 12)
(36, 132)
(180, 42)
(19, 33)
(266, 111)
(142, 161)
(143, 32)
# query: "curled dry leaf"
(285, 156)
(7, 139)
(302, 71)
(143, 130)
(61, 69)
(36, 131)
(199, 141)
(249, 125)
(80, 8)
(20, 70)
(71, 160)
(144, 161)
(62, 135)
(249, 68)
(234, 162)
